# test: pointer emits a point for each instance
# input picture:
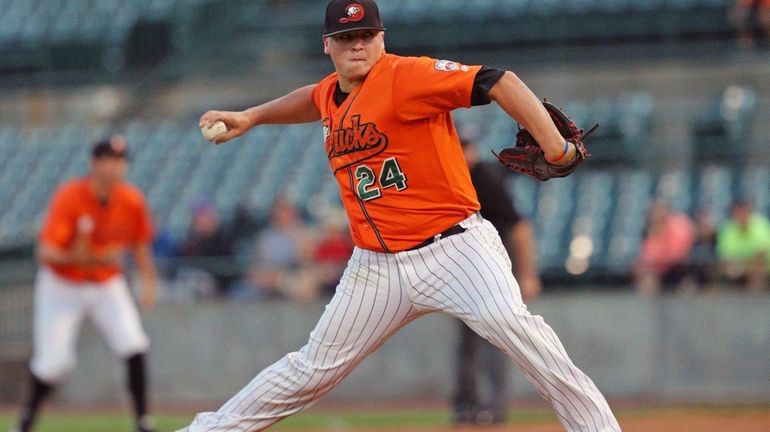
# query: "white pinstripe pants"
(467, 275)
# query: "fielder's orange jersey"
(122, 221)
(395, 153)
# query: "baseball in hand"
(218, 128)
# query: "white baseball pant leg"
(60, 307)
(370, 304)
(467, 275)
(59, 310)
(116, 316)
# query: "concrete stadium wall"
(702, 348)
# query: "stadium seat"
(634, 191)
(523, 190)
(755, 186)
(592, 213)
(555, 206)
(675, 188)
(715, 191)
(721, 131)
(512, 8)
(624, 126)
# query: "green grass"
(59, 421)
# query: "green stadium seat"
(545, 8)
(555, 206)
(715, 190)
(523, 190)
(645, 5)
(675, 187)
(682, 4)
(580, 7)
(634, 194)
(755, 186)
(12, 20)
(721, 132)
(512, 8)
(625, 122)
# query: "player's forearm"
(145, 263)
(295, 107)
(52, 255)
(516, 99)
(149, 275)
(79, 254)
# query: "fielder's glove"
(528, 158)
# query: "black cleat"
(145, 424)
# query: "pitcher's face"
(354, 53)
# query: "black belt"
(457, 229)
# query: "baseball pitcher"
(421, 245)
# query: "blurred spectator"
(208, 246)
(703, 270)
(164, 249)
(662, 262)
(743, 247)
(281, 260)
(477, 358)
(332, 252)
(752, 20)
(243, 226)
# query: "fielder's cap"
(348, 15)
(115, 147)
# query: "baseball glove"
(528, 158)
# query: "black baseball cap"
(115, 147)
(348, 15)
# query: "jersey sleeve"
(485, 79)
(59, 225)
(424, 87)
(320, 92)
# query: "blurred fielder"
(91, 222)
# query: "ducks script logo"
(360, 141)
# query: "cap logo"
(355, 13)
(118, 144)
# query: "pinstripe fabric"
(466, 275)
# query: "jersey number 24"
(390, 176)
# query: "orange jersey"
(395, 153)
(123, 221)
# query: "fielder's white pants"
(60, 307)
(467, 275)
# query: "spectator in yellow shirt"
(743, 247)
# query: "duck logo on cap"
(355, 13)
(118, 144)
